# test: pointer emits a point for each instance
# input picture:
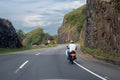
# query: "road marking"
(22, 66)
(37, 54)
(17, 70)
(90, 71)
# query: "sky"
(31, 14)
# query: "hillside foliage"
(36, 37)
(76, 17)
(72, 25)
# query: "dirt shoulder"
(89, 57)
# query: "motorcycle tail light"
(72, 54)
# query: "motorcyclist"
(71, 47)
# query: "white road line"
(22, 66)
(37, 54)
(90, 71)
(17, 70)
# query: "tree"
(20, 34)
(46, 38)
(34, 37)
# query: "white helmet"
(71, 41)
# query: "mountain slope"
(72, 24)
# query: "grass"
(98, 53)
(51, 45)
(95, 52)
(8, 50)
(101, 54)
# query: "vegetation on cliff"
(76, 18)
(72, 24)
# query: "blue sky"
(31, 14)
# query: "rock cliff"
(71, 26)
(8, 35)
(103, 25)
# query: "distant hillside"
(36, 37)
(72, 24)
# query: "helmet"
(71, 41)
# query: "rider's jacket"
(72, 47)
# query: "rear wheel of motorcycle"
(71, 61)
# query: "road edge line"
(90, 71)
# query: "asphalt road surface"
(52, 64)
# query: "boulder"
(8, 35)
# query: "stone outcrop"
(71, 26)
(67, 32)
(8, 35)
(103, 25)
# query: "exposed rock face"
(103, 25)
(67, 32)
(72, 24)
(8, 35)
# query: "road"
(51, 64)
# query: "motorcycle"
(72, 57)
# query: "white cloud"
(53, 12)
(76, 4)
(35, 20)
(67, 5)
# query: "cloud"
(35, 20)
(21, 1)
(47, 14)
(67, 5)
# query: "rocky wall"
(103, 25)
